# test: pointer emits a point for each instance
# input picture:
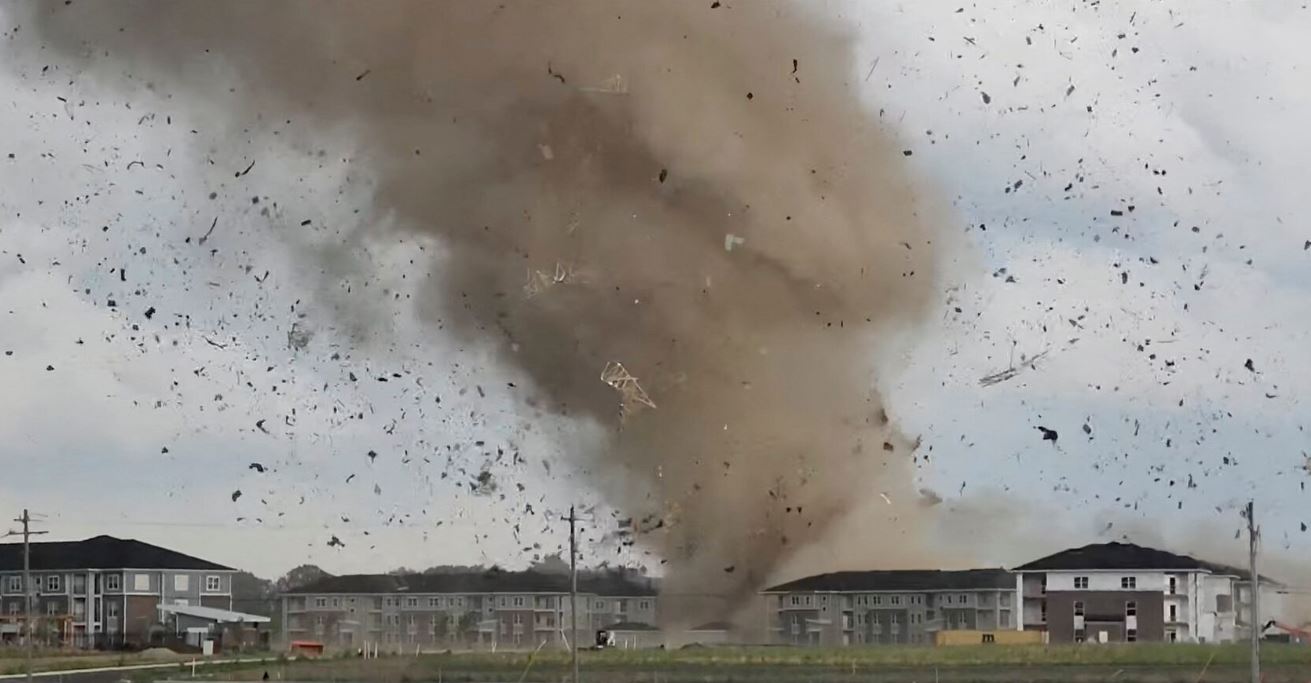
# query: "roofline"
(120, 569)
(772, 591)
(1194, 570)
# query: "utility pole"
(573, 590)
(27, 533)
(1254, 605)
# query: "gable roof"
(1125, 556)
(101, 552)
(489, 581)
(900, 580)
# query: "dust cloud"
(693, 191)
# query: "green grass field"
(1143, 663)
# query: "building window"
(1005, 600)
(411, 602)
(1174, 585)
(336, 603)
(52, 583)
(896, 600)
(321, 603)
(1128, 582)
(1081, 583)
(1044, 610)
(52, 608)
(181, 582)
(141, 582)
(948, 599)
(15, 584)
(1131, 635)
(645, 604)
(928, 614)
(963, 598)
(1004, 618)
(1172, 636)
(878, 599)
(112, 610)
(1078, 635)
(15, 607)
(1131, 609)
(213, 584)
(1078, 608)
(518, 601)
(989, 638)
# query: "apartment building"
(491, 608)
(104, 590)
(1121, 592)
(890, 607)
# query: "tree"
(441, 628)
(468, 624)
(253, 595)
(300, 576)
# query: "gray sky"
(1126, 187)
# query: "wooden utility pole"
(1254, 603)
(27, 533)
(573, 591)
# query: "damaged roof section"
(900, 580)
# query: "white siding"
(1107, 580)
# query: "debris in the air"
(150, 313)
(259, 424)
(484, 485)
(664, 173)
(257, 467)
(730, 569)
(205, 237)
(1008, 373)
(335, 542)
(235, 495)
(987, 99)
(929, 497)
(238, 174)
(731, 240)
(349, 478)
(885, 498)
(1250, 365)
(714, 5)
(50, 368)
(906, 152)
(366, 72)
(634, 398)
(298, 337)
(1048, 434)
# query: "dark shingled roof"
(490, 581)
(101, 552)
(1125, 556)
(900, 580)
